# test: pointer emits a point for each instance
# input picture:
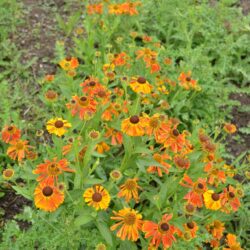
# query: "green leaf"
(83, 219)
(105, 232)
(23, 191)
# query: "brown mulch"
(12, 204)
(241, 120)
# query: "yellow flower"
(212, 200)
(140, 85)
(97, 197)
(57, 126)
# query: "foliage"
(194, 54)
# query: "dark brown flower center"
(141, 80)
(134, 119)
(101, 93)
(59, 124)
(164, 227)
(8, 173)
(176, 132)
(190, 208)
(47, 191)
(181, 162)
(10, 128)
(231, 195)
(129, 219)
(92, 83)
(94, 134)
(190, 225)
(200, 186)
(116, 174)
(68, 58)
(97, 197)
(51, 94)
(83, 99)
(215, 197)
(188, 79)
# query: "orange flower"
(94, 9)
(103, 96)
(160, 158)
(67, 148)
(215, 175)
(116, 136)
(146, 54)
(182, 161)
(31, 155)
(18, 149)
(230, 128)
(102, 147)
(172, 138)
(115, 9)
(190, 229)
(216, 228)
(129, 221)
(84, 106)
(50, 170)
(153, 64)
(11, 133)
(120, 59)
(232, 243)
(48, 197)
(69, 63)
(161, 232)
(134, 126)
(49, 78)
(194, 197)
(140, 85)
(187, 82)
(154, 124)
(229, 200)
(97, 197)
(129, 190)
(130, 8)
(114, 110)
(146, 39)
(91, 86)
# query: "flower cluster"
(126, 8)
(122, 147)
